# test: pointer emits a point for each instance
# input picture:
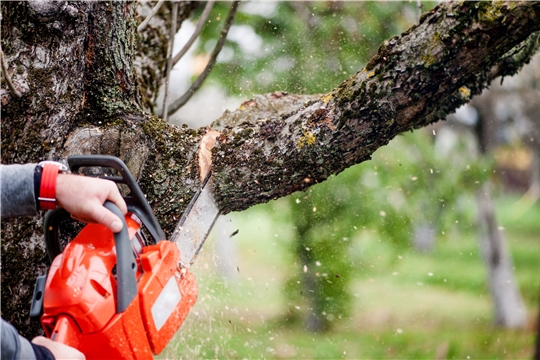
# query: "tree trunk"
(73, 63)
(312, 288)
(509, 309)
(537, 349)
(424, 236)
(508, 304)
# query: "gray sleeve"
(17, 196)
(14, 346)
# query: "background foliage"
(302, 47)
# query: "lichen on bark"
(171, 176)
(110, 83)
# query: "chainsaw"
(121, 295)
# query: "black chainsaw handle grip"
(126, 283)
(136, 202)
(51, 224)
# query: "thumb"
(109, 219)
(116, 226)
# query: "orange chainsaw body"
(79, 304)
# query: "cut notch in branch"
(178, 103)
(208, 142)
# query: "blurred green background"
(299, 46)
(336, 272)
(401, 303)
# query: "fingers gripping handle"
(66, 332)
(136, 201)
(125, 264)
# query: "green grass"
(407, 305)
(519, 214)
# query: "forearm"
(16, 347)
(17, 190)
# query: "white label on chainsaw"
(166, 303)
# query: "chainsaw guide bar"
(196, 223)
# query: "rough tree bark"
(73, 63)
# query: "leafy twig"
(169, 59)
(7, 77)
(153, 12)
(178, 103)
(196, 33)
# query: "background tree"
(70, 86)
(386, 199)
(507, 118)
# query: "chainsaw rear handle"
(136, 201)
(126, 283)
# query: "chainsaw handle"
(66, 332)
(136, 202)
(126, 283)
(51, 223)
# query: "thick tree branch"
(414, 80)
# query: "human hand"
(59, 350)
(83, 197)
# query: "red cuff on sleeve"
(47, 188)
